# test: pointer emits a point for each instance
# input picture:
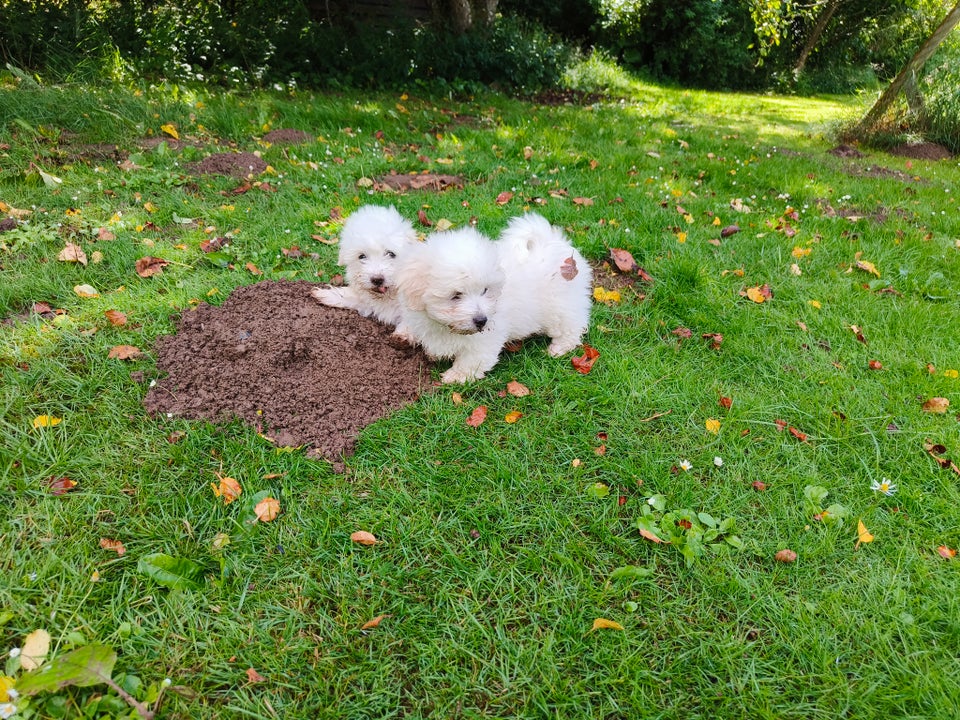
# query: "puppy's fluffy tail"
(527, 234)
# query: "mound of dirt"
(287, 136)
(238, 165)
(301, 373)
(921, 151)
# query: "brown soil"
(846, 151)
(238, 165)
(301, 373)
(921, 151)
(287, 136)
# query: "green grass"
(496, 555)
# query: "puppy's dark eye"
(456, 296)
(362, 256)
(484, 291)
(390, 254)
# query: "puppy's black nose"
(376, 280)
(480, 321)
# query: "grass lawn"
(499, 546)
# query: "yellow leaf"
(171, 130)
(799, 252)
(716, 221)
(267, 509)
(681, 237)
(228, 489)
(608, 297)
(815, 304)
(85, 291)
(604, 624)
(868, 267)
(6, 682)
(713, 425)
(754, 294)
(863, 535)
(951, 374)
(364, 538)
(149, 207)
(46, 421)
(512, 416)
(35, 648)
(442, 224)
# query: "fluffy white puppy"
(463, 296)
(371, 241)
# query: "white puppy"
(371, 241)
(463, 296)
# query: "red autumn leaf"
(124, 352)
(114, 545)
(375, 622)
(517, 389)
(802, 437)
(644, 275)
(104, 234)
(875, 365)
(422, 217)
(859, 333)
(213, 244)
(584, 201)
(729, 230)
(685, 524)
(149, 266)
(504, 197)
(60, 485)
(946, 553)
(477, 416)
(568, 269)
(716, 339)
(781, 424)
(253, 269)
(758, 485)
(726, 403)
(682, 332)
(584, 363)
(622, 500)
(254, 677)
(785, 556)
(116, 317)
(623, 260)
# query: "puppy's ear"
(413, 278)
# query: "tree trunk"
(816, 32)
(913, 65)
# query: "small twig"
(141, 709)
(657, 415)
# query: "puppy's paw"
(329, 296)
(455, 375)
(561, 346)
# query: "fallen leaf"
(227, 488)
(375, 622)
(607, 297)
(73, 254)
(875, 365)
(60, 485)
(477, 417)
(946, 553)
(583, 364)
(568, 268)
(682, 332)
(85, 291)
(758, 293)
(726, 403)
(623, 260)
(713, 425)
(785, 556)
(114, 545)
(34, 651)
(423, 219)
(650, 535)
(253, 269)
(443, 225)
(267, 509)
(716, 340)
(729, 230)
(758, 485)
(859, 333)
(456, 398)
(116, 318)
(46, 421)
(604, 624)
(504, 197)
(863, 535)
(517, 389)
(124, 352)
(937, 405)
(802, 437)
(868, 267)
(149, 266)
(171, 130)
(781, 424)
(512, 416)
(364, 538)
(254, 677)
(104, 234)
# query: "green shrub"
(941, 89)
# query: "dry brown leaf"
(149, 266)
(124, 352)
(72, 253)
(504, 197)
(267, 509)
(604, 624)
(116, 318)
(114, 545)
(364, 538)
(34, 651)
(512, 416)
(937, 405)
(477, 416)
(649, 535)
(568, 268)
(254, 677)
(375, 622)
(623, 260)
(785, 556)
(227, 488)
(517, 389)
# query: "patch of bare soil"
(921, 151)
(287, 136)
(877, 171)
(233, 164)
(395, 182)
(846, 151)
(559, 96)
(301, 373)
